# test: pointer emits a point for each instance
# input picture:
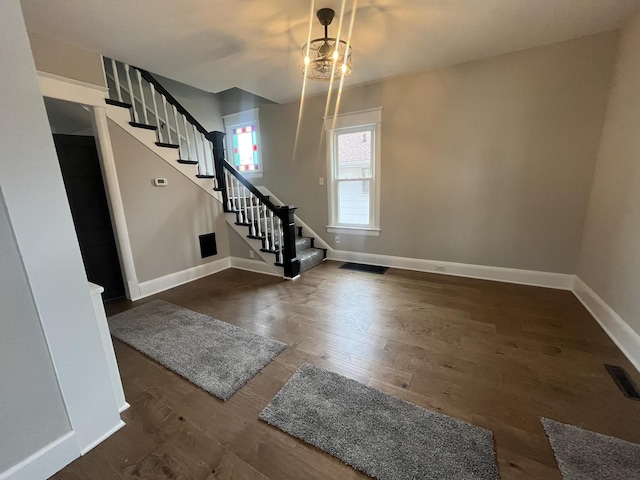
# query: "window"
(243, 142)
(353, 158)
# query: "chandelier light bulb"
(326, 58)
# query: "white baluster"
(186, 135)
(144, 103)
(280, 255)
(116, 79)
(232, 186)
(213, 170)
(272, 233)
(155, 112)
(266, 226)
(252, 229)
(258, 214)
(203, 145)
(195, 149)
(175, 118)
(244, 205)
(166, 117)
(227, 182)
(133, 98)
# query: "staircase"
(269, 229)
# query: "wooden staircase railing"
(274, 225)
(152, 107)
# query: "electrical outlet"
(337, 239)
(321, 181)
(251, 254)
(441, 268)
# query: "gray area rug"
(377, 433)
(585, 455)
(217, 356)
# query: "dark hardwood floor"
(493, 354)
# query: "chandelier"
(326, 58)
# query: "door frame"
(93, 97)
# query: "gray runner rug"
(377, 433)
(217, 356)
(585, 455)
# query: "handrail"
(250, 186)
(171, 99)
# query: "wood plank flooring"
(493, 354)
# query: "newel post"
(217, 139)
(291, 263)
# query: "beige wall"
(53, 56)
(163, 222)
(487, 163)
(610, 258)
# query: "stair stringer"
(255, 245)
(121, 117)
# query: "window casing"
(243, 142)
(353, 165)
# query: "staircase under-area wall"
(140, 105)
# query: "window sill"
(251, 175)
(367, 231)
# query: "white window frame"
(371, 120)
(238, 120)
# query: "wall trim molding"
(625, 337)
(252, 266)
(160, 284)
(63, 88)
(46, 461)
(561, 281)
(101, 439)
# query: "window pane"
(353, 202)
(245, 149)
(354, 154)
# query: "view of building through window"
(353, 176)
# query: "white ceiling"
(255, 45)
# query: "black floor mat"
(359, 267)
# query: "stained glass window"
(246, 155)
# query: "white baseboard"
(252, 266)
(46, 461)
(625, 337)
(124, 407)
(102, 438)
(560, 281)
(157, 285)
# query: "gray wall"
(32, 412)
(163, 222)
(204, 106)
(610, 258)
(486, 163)
(60, 58)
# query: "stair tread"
(167, 145)
(143, 125)
(117, 103)
(187, 162)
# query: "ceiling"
(255, 45)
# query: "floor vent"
(359, 267)
(623, 381)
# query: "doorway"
(82, 176)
